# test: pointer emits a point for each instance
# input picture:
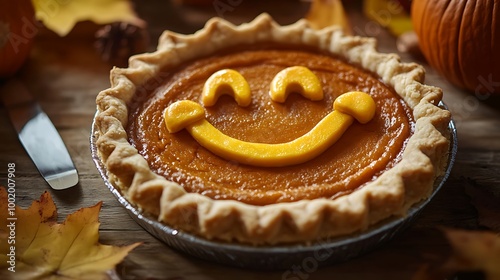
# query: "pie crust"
(391, 194)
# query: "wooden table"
(66, 74)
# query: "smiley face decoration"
(190, 115)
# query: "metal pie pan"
(322, 252)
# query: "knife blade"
(38, 136)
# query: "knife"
(38, 136)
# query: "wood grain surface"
(65, 74)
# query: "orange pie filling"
(246, 137)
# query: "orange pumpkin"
(461, 40)
(17, 30)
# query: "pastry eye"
(295, 79)
(226, 81)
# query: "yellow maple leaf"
(33, 245)
(388, 13)
(324, 13)
(61, 15)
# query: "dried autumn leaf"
(487, 205)
(389, 14)
(472, 251)
(324, 13)
(46, 249)
(61, 16)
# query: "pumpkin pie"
(267, 134)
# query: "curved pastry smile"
(190, 115)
